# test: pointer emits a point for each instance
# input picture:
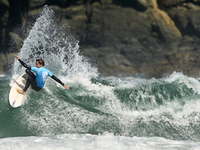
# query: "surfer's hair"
(41, 61)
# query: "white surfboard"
(16, 99)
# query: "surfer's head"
(39, 63)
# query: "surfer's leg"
(33, 84)
(32, 81)
(30, 74)
(35, 87)
(28, 83)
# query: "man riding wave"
(37, 81)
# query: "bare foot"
(20, 91)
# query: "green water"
(167, 107)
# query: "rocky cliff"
(128, 37)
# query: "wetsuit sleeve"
(57, 80)
(24, 64)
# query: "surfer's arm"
(58, 80)
(23, 63)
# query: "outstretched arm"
(57, 80)
(23, 63)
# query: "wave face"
(167, 107)
(132, 107)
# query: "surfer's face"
(37, 64)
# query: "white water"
(106, 141)
(52, 42)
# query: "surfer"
(37, 81)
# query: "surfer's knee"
(30, 74)
(28, 71)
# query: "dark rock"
(36, 3)
(4, 16)
(140, 5)
(120, 36)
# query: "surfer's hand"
(17, 56)
(66, 87)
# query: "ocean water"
(115, 113)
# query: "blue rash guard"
(41, 75)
